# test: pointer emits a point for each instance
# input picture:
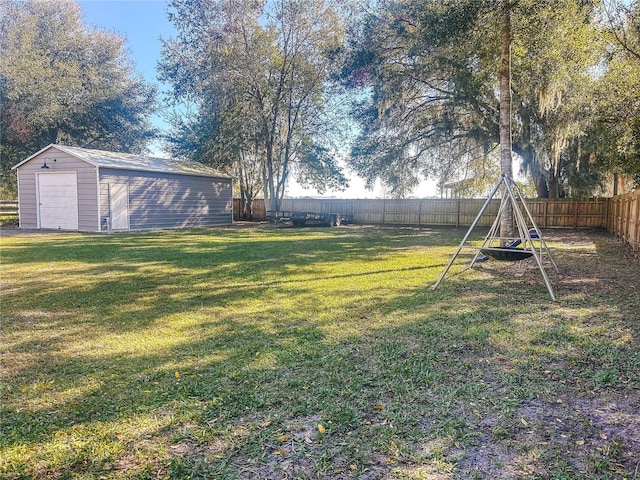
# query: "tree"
(440, 75)
(221, 138)
(623, 24)
(614, 136)
(553, 82)
(424, 109)
(504, 128)
(62, 82)
(257, 75)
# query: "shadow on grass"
(160, 274)
(221, 353)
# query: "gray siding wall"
(161, 200)
(87, 188)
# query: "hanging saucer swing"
(519, 248)
(506, 254)
(509, 253)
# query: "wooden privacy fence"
(8, 210)
(624, 218)
(591, 213)
(620, 215)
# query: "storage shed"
(70, 188)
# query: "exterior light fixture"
(44, 165)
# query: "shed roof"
(130, 161)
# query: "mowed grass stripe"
(313, 353)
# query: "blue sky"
(143, 23)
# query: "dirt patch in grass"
(587, 424)
(584, 437)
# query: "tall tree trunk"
(243, 204)
(265, 188)
(54, 135)
(533, 169)
(542, 189)
(525, 149)
(271, 199)
(504, 77)
(554, 186)
(249, 209)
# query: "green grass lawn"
(280, 353)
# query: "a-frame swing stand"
(518, 248)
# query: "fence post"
(545, 213)
(636, 246)
(616, 215)
(619, 216)
(627, 234)
(618, 219)
(384, 208)
(9, 209)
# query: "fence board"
(620, 215)
(259, 212)
(592, 213)
(8, 210)
(624, 218)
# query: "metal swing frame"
(510, 194)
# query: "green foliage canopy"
(256, 74)
(62, 82)
(612, 141)
(429, 70)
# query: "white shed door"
(119, 204)
(58, 200)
